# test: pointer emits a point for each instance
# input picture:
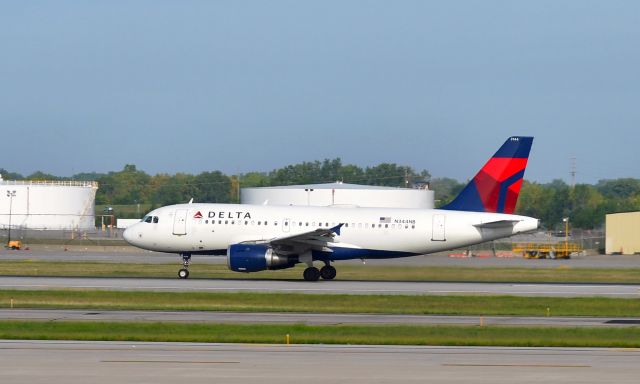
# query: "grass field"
(336, 334)
(296, 302)
(345, 272)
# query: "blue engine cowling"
(256, 257)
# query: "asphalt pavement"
(321, 287)
(71, 362)
(307, 318)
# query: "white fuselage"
(374, 232)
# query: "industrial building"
(622, 231)
(47, 205)
(339, 194)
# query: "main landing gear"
(328, 272)
(184, 272)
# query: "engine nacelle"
(256, 257)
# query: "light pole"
(566, 235)
(10, 195)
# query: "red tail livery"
(496, 187)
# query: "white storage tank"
(339, 194)
(47, 205)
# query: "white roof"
(337, 185)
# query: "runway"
(306, 318)
(321, 287)
(127, 254)
(54, 362)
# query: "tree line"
(585, 204)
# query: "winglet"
(496, 186)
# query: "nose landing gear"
(184, 272)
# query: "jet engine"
(256, 257)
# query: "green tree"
(254, 179)
(588, 210)
(125, 187)
(445, 189)
(393, 175)
(6, 175)
(211, 187)
(38, 175)
(179, 188)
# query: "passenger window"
(326, 224)
(206, 221)
(226, 222)
(386, 225)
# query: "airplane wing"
(498, 224)
(317, 239)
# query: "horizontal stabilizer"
(498, 224)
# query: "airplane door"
(285, 225)
(180, 222)
(437, 228)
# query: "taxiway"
(321, 287)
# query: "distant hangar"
(622, 233)
(339, 194)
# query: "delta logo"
(198, 215)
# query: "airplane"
(261, 237)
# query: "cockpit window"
(155, 219)
(147, 219)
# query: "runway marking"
(518, 365)
(169, 362)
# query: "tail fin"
(496, 187)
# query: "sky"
(240, 86)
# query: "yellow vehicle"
(559, 250)
(14, 244)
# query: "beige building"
(623, 233)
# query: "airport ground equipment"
(559, 250)
(14, 244)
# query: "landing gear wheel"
(184, 272)
(311, 274)
(328, 272)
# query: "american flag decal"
(385, 220)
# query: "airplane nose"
(128, 235)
